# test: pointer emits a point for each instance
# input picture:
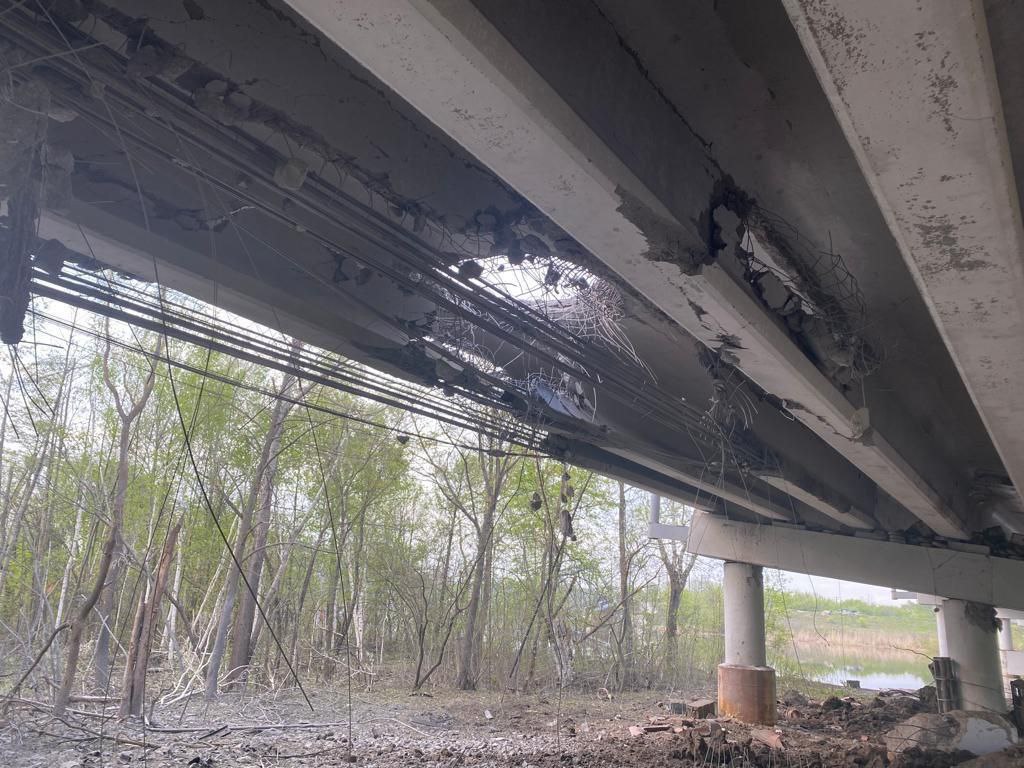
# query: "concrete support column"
(746, 686)
(743, 590)
(970, 630)
(940, 627)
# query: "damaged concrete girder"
(951, 573)
(725, 490)
(126, 248)
(849, 516)
(234, 227)
(914, 88)
(452, 64)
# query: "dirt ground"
(391, 728)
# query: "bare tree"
(260, 490)
(625, 639)
(678, 566)
(127, 414)
(133, 692)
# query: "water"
(877, 668)
(875, 681)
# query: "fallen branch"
(251, 728)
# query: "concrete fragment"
(534, 245)
(61, 114)
(771, 738)
(928, 697)
(979, 733)
(224, 105)
(701, 708)
(291, 174)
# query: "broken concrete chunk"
(51, 256)
(469, 270)
(216, 87)
(291, 174)
(833, 703)
(239, 101)
(958, 731)
(771, 738)
(701, 708)
(61, 114)
(486, 221)
(929, 698)
(224, 105)
(21, 115)
(534, 245)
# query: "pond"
(875, 681)
(875, 668)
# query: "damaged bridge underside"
(762, 257)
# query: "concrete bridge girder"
(925, 121)
(269, 270)
(599, 144)
(487, 95)
(962, 571)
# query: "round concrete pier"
(971, 630)
(746, 686)
(743, 591)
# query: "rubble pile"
(891, 730)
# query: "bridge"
(761, 257)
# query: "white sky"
(835, 589)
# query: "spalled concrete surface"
(609, 180)
(976, 732)
(915, 90)
(246, 245)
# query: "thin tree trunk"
(105, 610)
(241, 632)
(108, 587)
(10, 543)
(469, 649)
(133, 694)
(625, 642)
(678, 575)
(305, 591)
(244, 529)
(72, 557)
(78, 625)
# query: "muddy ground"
(390, 729)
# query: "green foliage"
(371, 566)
